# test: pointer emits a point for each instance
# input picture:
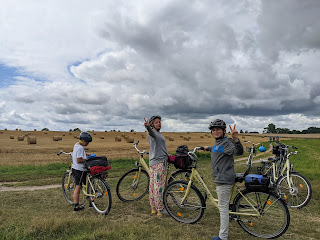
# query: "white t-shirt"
(78, 152)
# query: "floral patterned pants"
(157, 184)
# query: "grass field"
(44, 214)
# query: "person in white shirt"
(78, 170)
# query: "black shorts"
(79, 176)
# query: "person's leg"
(223, 192)
(151, 190)
(159, 184)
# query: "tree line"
(272, 129)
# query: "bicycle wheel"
(133, 185)
(101, 201)
(185, 175)
(68, 187)
(300, 192)
(191, 210)
(274, 220)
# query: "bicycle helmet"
(151, 120)
(217, 124)
(85, 136)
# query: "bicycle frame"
(195, 175)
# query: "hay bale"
(143, 136)
(1, 132)
(20, 138)
(102, 137)
(186, 138)
(32, 140)
(11, 137)
(201, 136)
(56, 138)
(129, 139)
(117, 139)
(171, 139)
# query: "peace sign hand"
(234, 133)
(146, 122)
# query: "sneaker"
(78, 208)
(216, 238)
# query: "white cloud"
(106, 64)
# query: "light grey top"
(158, 149)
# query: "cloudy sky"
(102, 65)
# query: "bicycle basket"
(256, 182)
(180, 161)
(96, 161)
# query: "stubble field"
(44, 214)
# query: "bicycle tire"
(68, 187)
(192, 210)
(297, 196)
(184, 174)
(102, 201)
(128, 189)
(274, 220)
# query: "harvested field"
(15, 152)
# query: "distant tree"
(77, 129)
(132, 130)
(241, 131)
(271, 128)
(45, 129)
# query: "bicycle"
(260, 213)
(292, 186)
(134, 184)
(96, 190)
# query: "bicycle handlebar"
(61, 151)
(252, 143)
(141, 152)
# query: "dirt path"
(258, 154)
(4, 188)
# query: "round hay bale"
(201, 137)
(20, 138)
(56, 138)
(102, 137)
(186, 138)
(32, 140)
(1, 132)
(143, 136)
(117, 139)
(171, 139)
(63, 134)
(129, 139)
(11, 137)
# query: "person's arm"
(149, 129)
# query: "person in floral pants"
(158, 156)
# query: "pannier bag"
(276, 150)
(96, 161)
(256, 182)
(182, 150)
(180, 161)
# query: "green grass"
(46, 215)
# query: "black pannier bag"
(96, 161)
(182, 150)
(276, 150)
(256, 182)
